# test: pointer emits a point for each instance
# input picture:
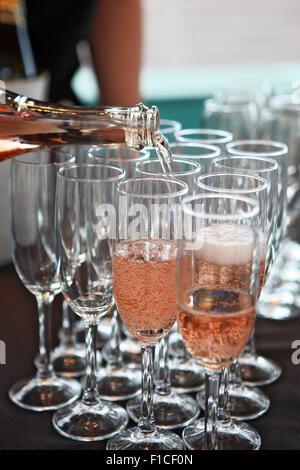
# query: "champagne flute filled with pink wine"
(218, 268)
(144, 281)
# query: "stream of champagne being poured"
(164, 153)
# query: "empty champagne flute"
(216, 137)
(218, 269)
(33, 183)
(282, 124)
(144, 256)
(237, 114)
(84, 219)
(168, 127)
(69, 355)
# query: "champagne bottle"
(27, 125)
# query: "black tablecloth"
(20, 429)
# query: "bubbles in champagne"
(227, 244)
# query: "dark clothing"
(55, 27)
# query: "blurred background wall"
(214, 32)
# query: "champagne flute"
(84, 219)
(118, 381)
(33, 183)
(144, 257)
(218, 269)
(216, 137)
(246, 403)
(168, 127)
(256, 369)
(69, 355)
(186, 374)
(171, 411)
(237, 114)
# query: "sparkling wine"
(216, 312)
(144, 287)
(216, 325)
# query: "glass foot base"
(186, 376)
(90, 423)
(132, 439)
(245, 402)
(237, 436)
(258, 370)
(69, 361)
(170, 411)
(118, 383)
(44, 395)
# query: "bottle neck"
(134, 126)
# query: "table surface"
(26, 430)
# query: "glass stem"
(224, 405)
(45, 368)
(67, 337)
(114, 356)
(146, 422)
(163, 385)
(90, 393)
(252, 343)
(235, 374)
(211, 408)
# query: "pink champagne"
(144, 287)
(216, 313)
(216, 325)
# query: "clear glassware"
(168, 127)
(144, 262)
(258, 369)
(186, 375)
(244, 402)
(119, 380)
(204, 136)
(33, 183)
(200, 153)
(171, 411)
(234, 113)
(276, 302)
(84, 193)
(282, 123)
(256, 91)
(69, 356)
(218, 269)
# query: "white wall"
(211, 32)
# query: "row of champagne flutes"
(44, 251)
(268, 112)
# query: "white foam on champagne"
(227, 244)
